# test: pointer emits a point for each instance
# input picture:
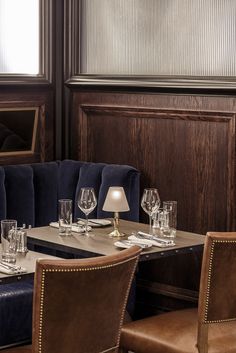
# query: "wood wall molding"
(188, 154)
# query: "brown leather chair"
(79, 305)
(209, 329)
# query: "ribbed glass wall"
(158, 37)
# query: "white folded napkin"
(75, 227)
(95, 222)
(144, 244)
(161, 243)
(12, 269)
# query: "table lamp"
(116, 202)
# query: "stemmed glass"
(150, 203)
(87, 202)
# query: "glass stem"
(150, 224)
(86, 225)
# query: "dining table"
(99, 243)
(25, 262)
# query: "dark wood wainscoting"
(38, 98)
(183, 145)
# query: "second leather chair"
(209, 329)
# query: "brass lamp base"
(116, 234)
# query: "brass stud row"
(41, 311)
(209, 282)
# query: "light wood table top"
(99, 242)
(28, 261)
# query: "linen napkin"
(160, 243)
(144, 244)
(96, 222)
(75, 227)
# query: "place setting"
(144, 240)
(86, 202)
(162, 223)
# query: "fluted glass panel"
(19, 36)
(158, 37)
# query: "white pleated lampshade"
(116, 200)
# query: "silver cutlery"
(133, 242)
(142, 235)
(89, 221)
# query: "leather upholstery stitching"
(209, 282)
(126, 298)
(41, 311)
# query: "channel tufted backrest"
(30, 193)
(73, 175)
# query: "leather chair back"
(217, 286)
(79, 305)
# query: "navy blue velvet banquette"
(29, 194)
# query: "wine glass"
(87, 202)
(150, 203)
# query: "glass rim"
(87, 188)
(9, 221)
(64, 200)
(150, 189)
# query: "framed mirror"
(18, 130)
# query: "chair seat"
(176, 332)
(21, 349)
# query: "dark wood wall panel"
(184, 145)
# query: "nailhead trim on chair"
(80, 270)
(209, 282)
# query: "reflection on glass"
(18, 129)
(19, 36)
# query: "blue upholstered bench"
(29, 194)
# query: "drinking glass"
(87, 202)
(65, 216)
(150, 203)
(9, 240)
(171, 208)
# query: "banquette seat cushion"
(30, 194)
